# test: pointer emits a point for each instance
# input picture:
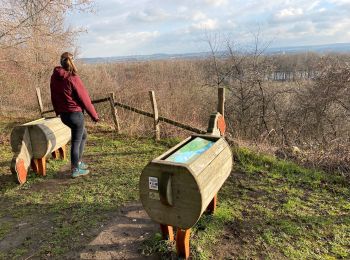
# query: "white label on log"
(153, 183)
(154, 195)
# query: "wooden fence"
(155, 114)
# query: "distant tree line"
(306, 113)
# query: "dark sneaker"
(83, 166)
(79, 172)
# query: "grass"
(273, 209)
(69, 210)
(278, 210)
(268, 208)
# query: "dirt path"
(122, 238)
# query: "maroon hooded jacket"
(68, 94)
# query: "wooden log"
(33, 141)
(183, 243)
(114, 112)
(155, 115)
(46, 136)
(40, 102)
(193, 183)
(221, 101)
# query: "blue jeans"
(75, 121)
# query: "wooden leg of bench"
(34, 166)
(56, 154)
(39, 166)
(212, 205)
(63, 152)
(183, 243)
(167, 232)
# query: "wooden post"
(114, 112)
(221, 101)
(39, 166)
(212, 205)
(183, 243)
(167, 232)
(40, 102)
(55, 154)
(156, 115)
(63, 152)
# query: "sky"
(143, 27)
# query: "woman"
(70, 99)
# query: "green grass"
(281, 210)
(267, 209)
(71, 207)
(273, 209)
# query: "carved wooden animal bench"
(32, 142)
(180, 185)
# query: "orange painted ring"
(21, 171)
(221, 125)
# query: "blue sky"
(126, 27)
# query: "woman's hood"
(60, 73)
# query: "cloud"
(208, 24)
(128, 38)
(198, 15)
(148, 15)
(217, 2)
(123, 27)
(288, 14)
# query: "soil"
(122, 238)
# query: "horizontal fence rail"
(157, 119)
(96, 101)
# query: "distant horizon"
(124, 28)
(285, 48)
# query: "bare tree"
(32, 36)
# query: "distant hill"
(327, 48)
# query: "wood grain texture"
(22, 156)
(46, 136)
(40, 102)
(183, 243)
(155, 115)
(221, 101)
(193, 185)
(167, 232)
(33, 141)
(114, 112)
(184, 212)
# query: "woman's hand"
(95, 119)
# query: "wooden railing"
(155, 115)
